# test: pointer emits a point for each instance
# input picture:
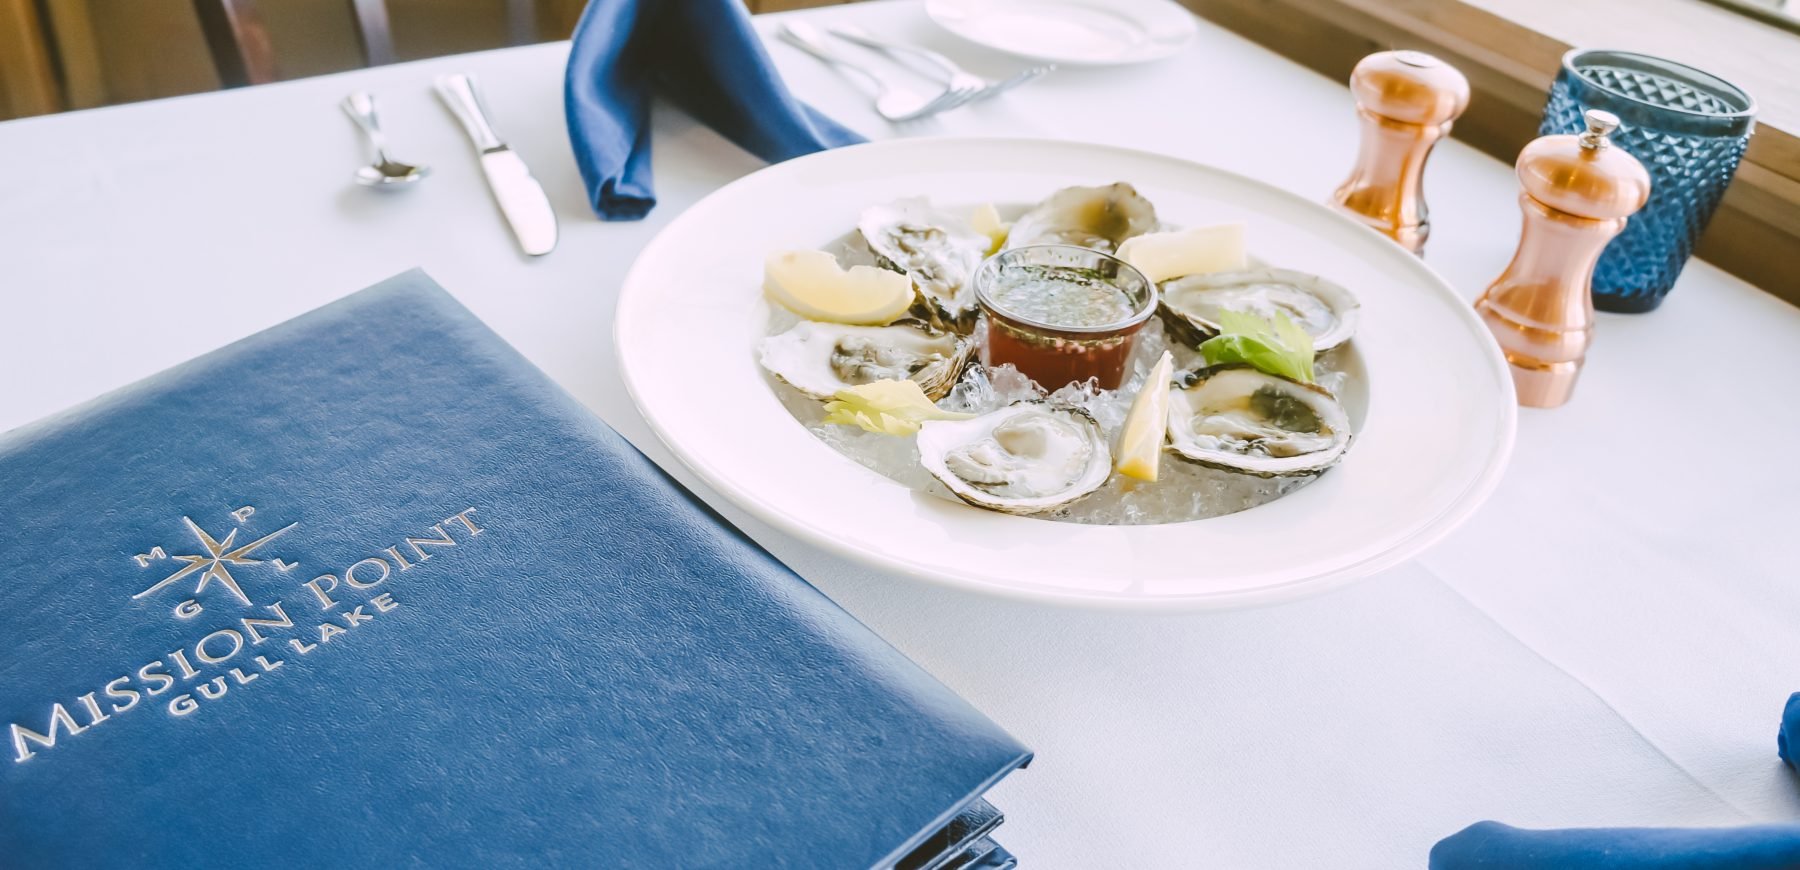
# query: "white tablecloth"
(1609, 641)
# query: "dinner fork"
(978, 88)
(894, 102)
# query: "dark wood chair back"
(243, 54)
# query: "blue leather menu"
(367, 589)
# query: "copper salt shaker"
(1578, 192)
(1407, 101)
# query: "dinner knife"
(519, 195)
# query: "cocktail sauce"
(1055, 359)
(1062, 314)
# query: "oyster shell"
(939, 251)
(819, 359)
(1190, 306)
(1091, 217)
(1026, 458)
(1239, 418)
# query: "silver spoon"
(386, 171)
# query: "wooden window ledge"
(1511, 50)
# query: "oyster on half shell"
(1092, 217)
(1239, 418)
(939, 251)
(820, 359)
(1026, 458)
(1190, 306)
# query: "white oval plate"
(1436, 433)
(1073, 32)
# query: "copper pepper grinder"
(1578, 192)
(1407, 100)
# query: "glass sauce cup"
(1056, 354)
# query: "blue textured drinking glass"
(1689, 128)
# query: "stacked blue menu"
(367, 589)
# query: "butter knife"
(519, 195)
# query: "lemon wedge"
(1194, 251)
(986, 221)
(814, 286)
(1139, 451)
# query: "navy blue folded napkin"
(1754, 847)
(704, 56)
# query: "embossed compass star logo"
(215, 564)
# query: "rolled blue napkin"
(1491, 845)
(1754, 847)
(1786, 739)
(704, 56)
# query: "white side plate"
(1436, 430)
(1072, 32)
